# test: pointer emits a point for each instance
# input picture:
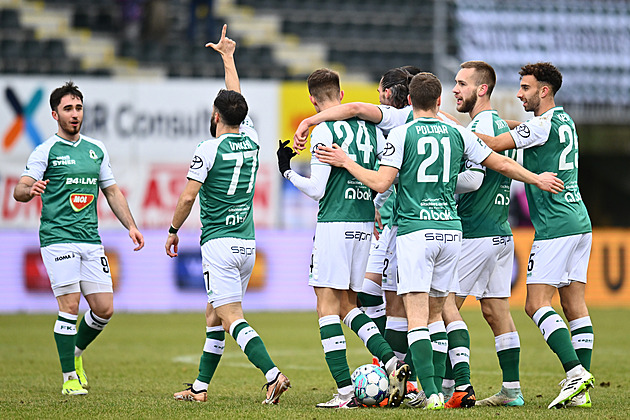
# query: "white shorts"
(485, 267)
(427, 261)
(340, 255)
(559, 261)
(77, 267)
(227, 267)
(378, 251)
(390, 269)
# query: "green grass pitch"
(141, 359)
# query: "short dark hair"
(484, 74)
(68, 89)
(425, 89)
(545, 73)
(323, 84)
(397, 80)
(232, 107)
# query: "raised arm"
(226, 48)
(362, 110)
(118, 203)
(499, 143)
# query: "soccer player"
(67, 171)
(485, 263)
(223, 173)
(386, 118)
(342, 241)
(562, 242)
(426, 155)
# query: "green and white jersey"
(393, 117)
(227, 167)
(484, 212)
(428, 154)
(550, 144)
(76, 170)
(345, 198)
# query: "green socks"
(65, 336)
(556, 334)
(334, 344)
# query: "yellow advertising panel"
(295, 105)
(608, 284)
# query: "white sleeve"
(37, 162)
(202, 160)
(247, 128)
(106, 176)
(470, 179)
(392, 117)
(394, 147)
(475, 150)
(315, 186)
(380, 144)
(534, 132)
(381, 198)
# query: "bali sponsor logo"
(431, 214)
(80, 201)
(357, 194)
(501, 200)
(573, 197)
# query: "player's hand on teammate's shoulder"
(225, 46)
(548, 181)
(334, 155)
(300, 137)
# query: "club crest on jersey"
(80, 201)
(93, 154)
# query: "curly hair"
(545, 73)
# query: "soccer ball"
(371, 385)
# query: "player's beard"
(70, 129)
(532, 104)
(468, 104)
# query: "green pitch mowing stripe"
(140, 360)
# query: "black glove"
(285, 153)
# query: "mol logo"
(23, 119)
(80, 201)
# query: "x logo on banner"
(23, 118)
